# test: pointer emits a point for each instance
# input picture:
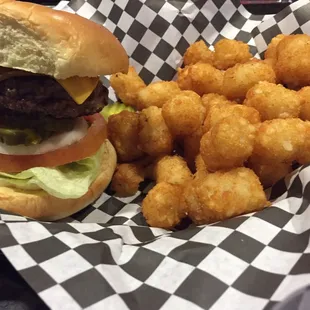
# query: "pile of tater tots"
(227, 128)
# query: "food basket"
(106, 257)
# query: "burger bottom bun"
(40, 205)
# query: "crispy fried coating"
(183, 114)
(128, 176)
(227, 53)
(200, 166)
(123, 130)
(191, 94)
(304, 93)
(219, 112)
(156, 94)
(240, 78)
(269, 173)
(210, 100)
(303, 156)
(271, 52)
(273, 101)
(126, 179)
(198, 52)
(155, 138)
(280, 140)
(172, 169)
(126, 86)
(224, 194)
(161, 207)
(191, 146)
(293, 61)
(228, 144)
(201, 78)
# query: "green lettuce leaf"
(67, 181)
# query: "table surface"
(15, 294)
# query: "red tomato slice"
(85, 147)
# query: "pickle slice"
(19, 136)
(114, 108)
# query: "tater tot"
(271, 52)
(222, 195)
(210, 100)
(126, 179)
(156, 94)
(189, 93)
(161, 207)
(228, 144)
(293, 61)
(172, 169)
(198, 52)
(280, 140)
(183, 114)
(240, 78)
(123, 131)
(201, 169)
(304, 93)
(227, 53)
(219, 112)
(201, 78)
(191, 146)
(126, 86)
(303, 157)
(273, 101)
(269, 173)
(155, 138)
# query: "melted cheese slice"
(79, 88)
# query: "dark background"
(15, 294)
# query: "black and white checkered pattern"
(292, 20)
(105, 256)
(156, 33)
(251, 261)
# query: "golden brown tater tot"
(224, 194)
(273, 101)
(156, 94)
(304, 93)
(126, 86)
(123, 131)
(271, 52)
(280, 140)
(293, 61)
(228, 144)
(269, 173)
(183, 114)
(219, 112)
(303, 156)
(155, 138)
(126, 179)
(240, 78)
(201, 78)
(161, 207)
(210, 100)
(172, 169)
(198, 52)
(227, 53)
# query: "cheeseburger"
(55, 158)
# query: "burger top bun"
(41, 40)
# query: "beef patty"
(40, 96)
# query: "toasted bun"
(42, 206)
(41, 40)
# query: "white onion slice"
(53, 143)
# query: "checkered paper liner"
(265, 1)
(106, 257)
